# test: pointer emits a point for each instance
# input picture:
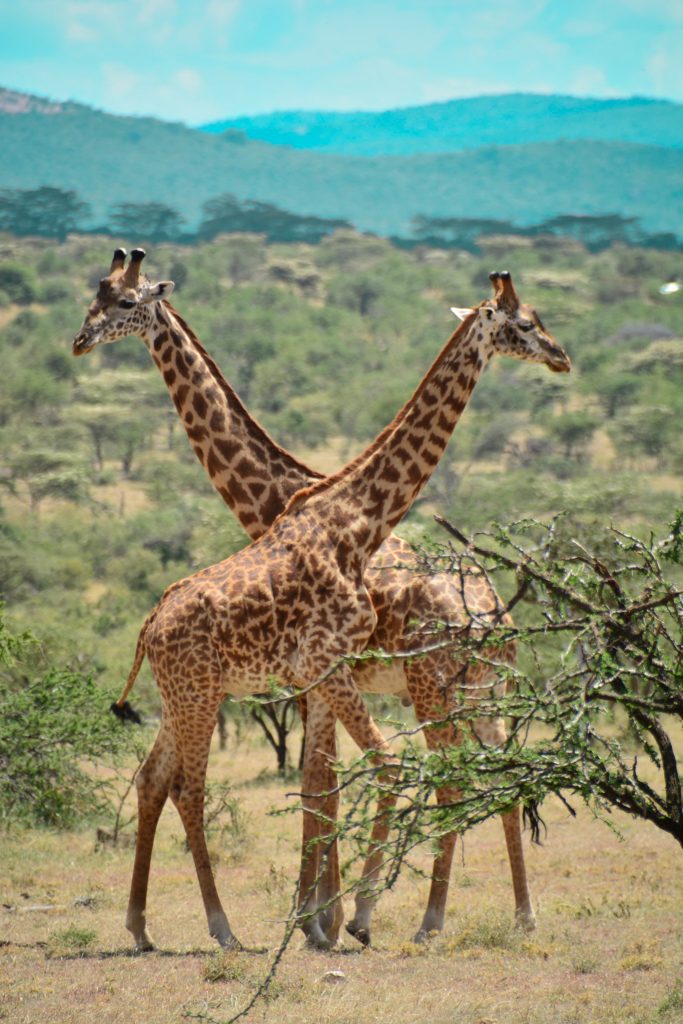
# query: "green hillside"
(468, 124)
(109, 160)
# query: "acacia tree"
(600, 639)
(39, 473)
(154, 222)
(52, 212)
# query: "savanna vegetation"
(103, 504)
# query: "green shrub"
(54, 724)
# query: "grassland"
(608, 947)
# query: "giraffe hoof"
(320, 943)
(526, 922)
(315, 936)
(361, 934)
(144, 944)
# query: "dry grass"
(609, 946)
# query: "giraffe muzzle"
(560, 363)
(83, 342)
(556, 359)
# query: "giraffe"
(256, 477)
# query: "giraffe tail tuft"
(531, 817)
(126, 712)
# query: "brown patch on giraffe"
(245, 467)
(272, 506)
(199, 403)
(217, 421)
(390, 473)
(257, 450)
(256, 489)
(239, 493)
(181, 394)
(227, 448)
(444, 422)
(214, 465)
(413, 474)
(197, 432)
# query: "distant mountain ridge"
(110, 159)
(510, 119)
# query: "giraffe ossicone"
(288, 608)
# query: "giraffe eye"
(525, 325)
(127, 303)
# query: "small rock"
(85, 901)
(333, 977)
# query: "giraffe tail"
(121, 707)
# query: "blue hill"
(468, 124)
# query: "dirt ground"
(608, 947)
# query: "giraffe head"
(515, 328)
(119, 308)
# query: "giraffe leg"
(430, 704)
(435, 912)
(153, 782)
(492, 731)
(341, 695)
(524, 912)
(367, 895)
(193, 730)
(319, 880)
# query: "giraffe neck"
(252, 474)
(370, 496)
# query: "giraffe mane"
(235, 400)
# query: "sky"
(198, 61)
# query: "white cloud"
(188, 80)
(584, 28)
(665, 74)
(121, 81)
(78, 32)
(221, 12)
(588, 80)
(669, 10)
(150, 12)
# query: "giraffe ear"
(161, 290)
(461, 314)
